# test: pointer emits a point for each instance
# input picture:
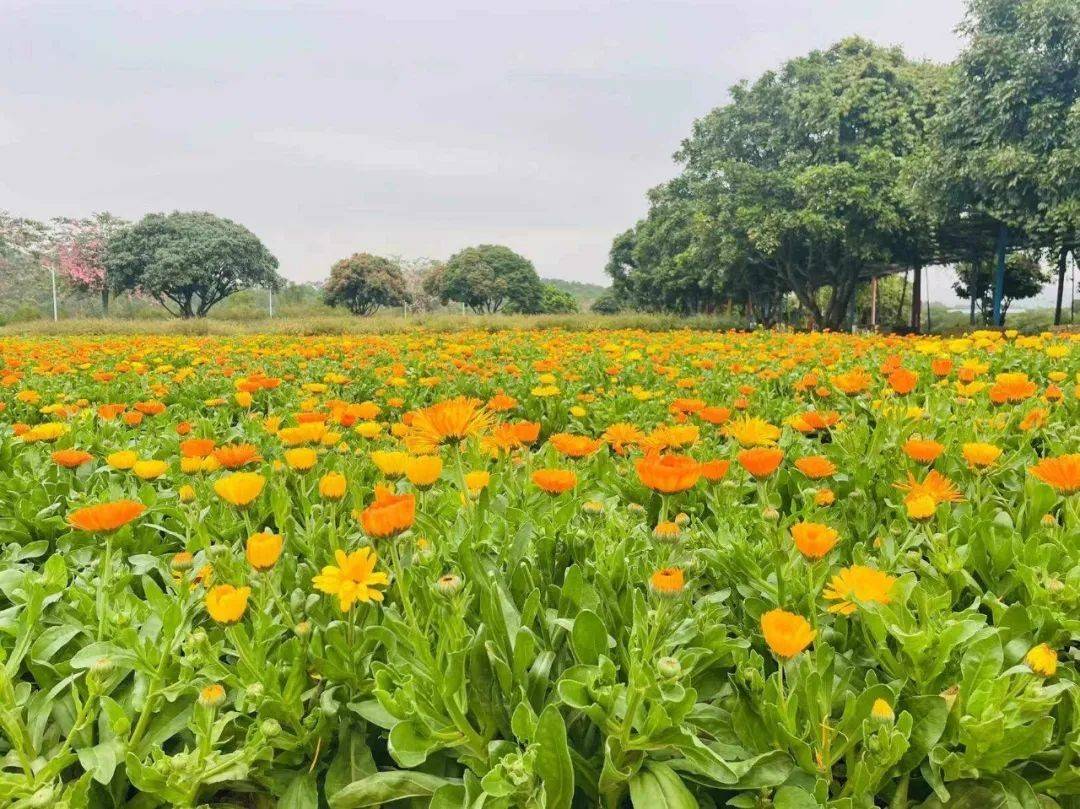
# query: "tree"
(363, 283)
(80, 252)
(608, 303)
(555, 301)
(188, 262)
(1024, 278)
(793, 185)
(488, 276)
(1006, 144)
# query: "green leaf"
(553, 763)
(301, 793)
(788, 797)
(657, 786)
(588, 637)
(410, 744)
(383, 787)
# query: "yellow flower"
(332, 486)
(122, 460)
(1042, 660)
(352, 579)
(263, 550)
(477, 481)
(391, 464)
(858, 583)
(149, 470)
(186, 493)
(980, 455)
(226, 604)
(882, 711)
(751, 432)
(240, 488)
(49, 431)
(423, 470)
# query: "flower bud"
(270, 728)
(449, 584)
(212, 696)
(302, 629)
(882, 712)
(668, 667)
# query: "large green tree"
(363, 283)
(488, 277)
(188, 262)
(1006, 146)
(793, 185)
(1024, 278)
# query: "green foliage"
(487, 277)
(188, 262)
(363, 283)
(1024, 278)
(584, 293)
(555, 301)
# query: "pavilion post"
(1063, 260)
(916, 301)
(999, 273)
(873, 302)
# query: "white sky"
(409, 128)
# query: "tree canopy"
(488, 277)
(363, 283)
(188, 262)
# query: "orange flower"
(620, 436)
(853, 382)
(263, 550)
(668, 582)
(105, 517)
(786, 633)
(240, 488)
(941, 366)
(814, 421)
(1062, 472)
(234, 456)
(668, 473)
(714, 415)
(923, 451)
(227, 604)
(713, 471)
(816, 467)
(450, 421)
(1011, 387)
(71, 458)
(750, 432)
(903, 381)
(858, 583)
(197, 448)
(813, 539)
(760, 461)
(389, 514)
(554, 481)
(922, 498)
(574, 446)
(824, 497)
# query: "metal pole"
(873, 302)
(55, 308)
(999, 275)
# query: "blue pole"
(999, 275)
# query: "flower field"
(540, 569)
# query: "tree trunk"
(975, 268)
(105, 302)
(903, 297)
(1063, 260)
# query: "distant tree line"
(855, 163)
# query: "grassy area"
(379, 324)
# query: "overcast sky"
(407, 128)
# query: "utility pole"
(55, 307)
(271, 291)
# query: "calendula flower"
(923, 498)
(122, 460)
(390, 514)
(667, 582)
(751, 432)
(786, 633)
(760, 461)
(980, 455)
(263, 550)
(451, 421)
(105, 518)
(476, 481)
(196, 447)
(922, 451)
(622, 436)
(226, 604)
(332, 486)
(391, 464)
(574, 446)
(212, 696)
(301, 459)
(71, 458)
(1042, 660)
(240, 488)
(554, 481)
(816, 467)
(423, 470)
(824, 497)
(715, 470)
(352, 579)
(882, 711)
(234, 456)
(1062, 473)
(858, 583)
(814, 539)
(150, 470)
(668, 474)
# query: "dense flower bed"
(540, 569)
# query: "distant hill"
(584, 293)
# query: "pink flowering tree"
(81, 245)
